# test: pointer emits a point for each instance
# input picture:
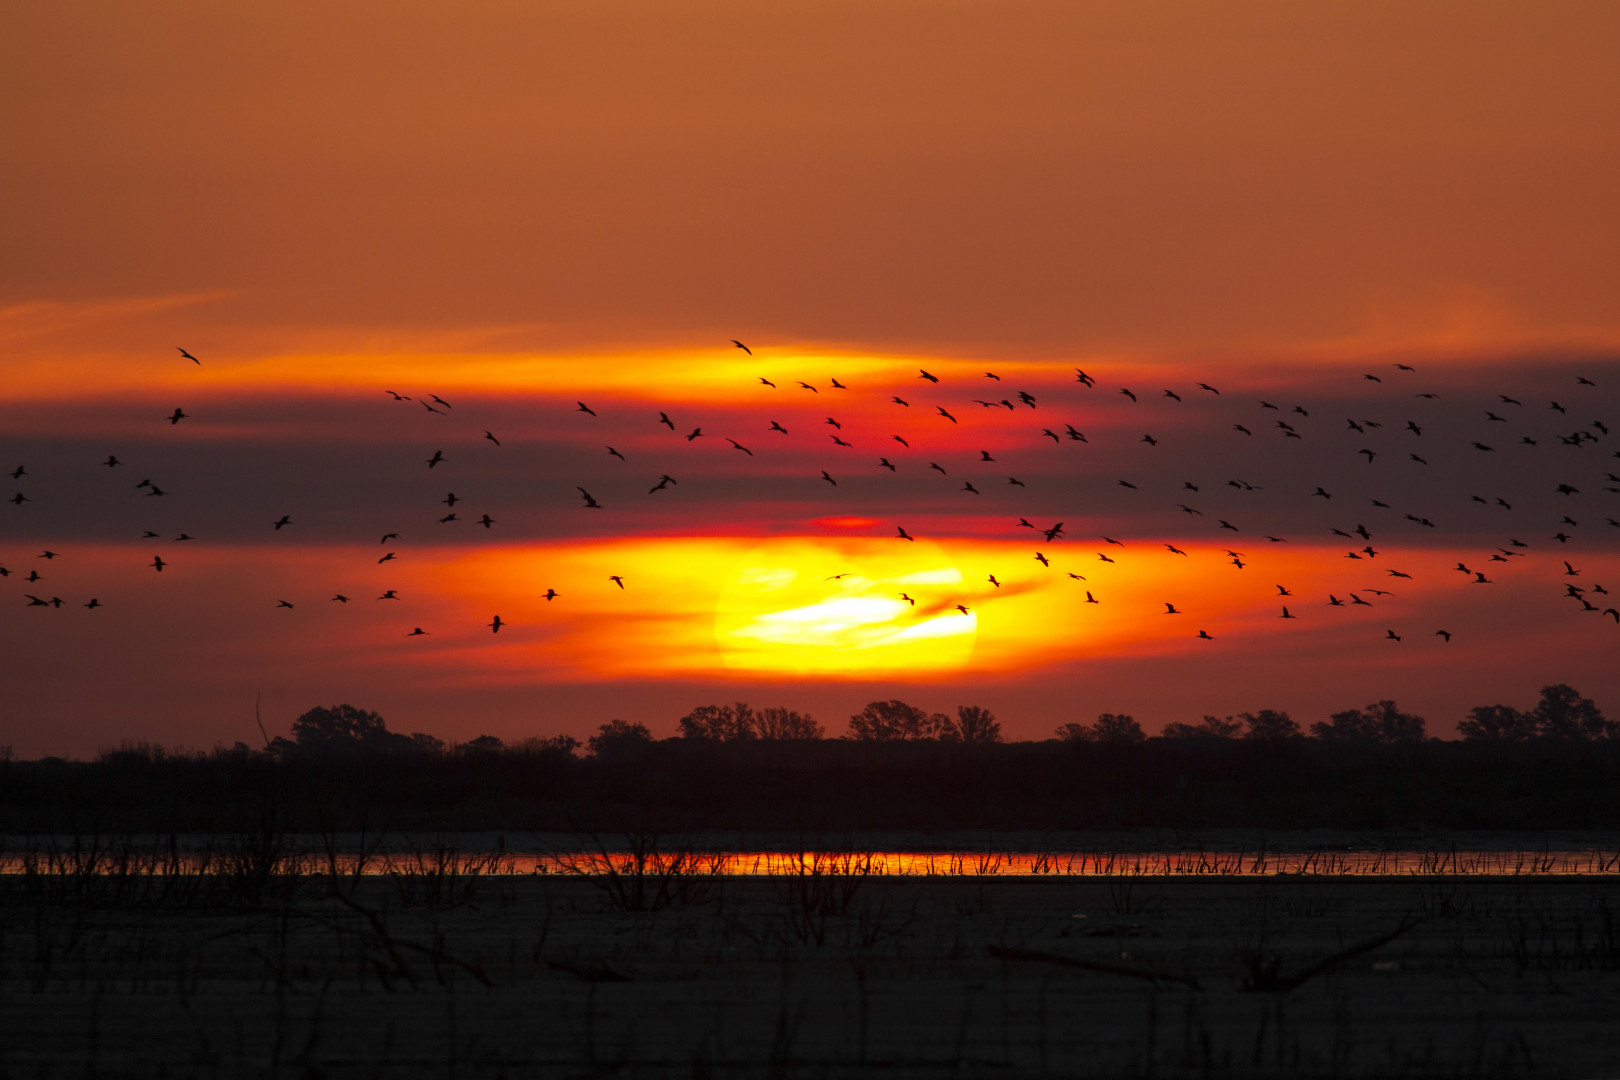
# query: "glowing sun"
(844, 607)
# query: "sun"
(844, 607)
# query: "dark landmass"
(829, 786)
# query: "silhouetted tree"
(726, 723)
(1109, 728)
(1380, 723)
(1563, 714)
(973, 724)
(534, 746)
(1211, 727)
(1118, 728)
(427, 744)
(618, 737)
(1497, 723)
(1268, 725)
(341, 727)
(483, 744)
(890, 721)
(781, 723)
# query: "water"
(127, 858)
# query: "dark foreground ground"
(467, 977)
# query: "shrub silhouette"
(1378, 723)
(895, 721)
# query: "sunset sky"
(519, 207)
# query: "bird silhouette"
(496, 624)
(902, 534)
(188, 356)
(743, 347)
(177, 416)
(584, 408)
(438, 456)
(590, 500)
(617, 580)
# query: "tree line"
(1561, 715)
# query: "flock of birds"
(1585, 596)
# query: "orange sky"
(517, 206)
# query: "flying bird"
(584, 408)
(496, 625)
(177, 416)
(438, 456)
(743, 347)
(590, 500)
(188, 356)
